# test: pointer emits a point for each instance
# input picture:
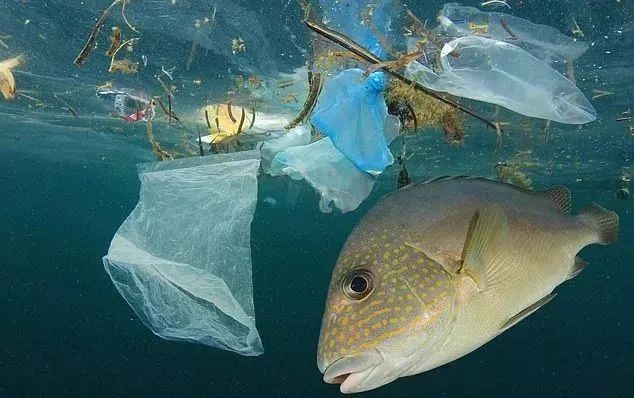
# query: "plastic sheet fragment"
(182, 258)
(333, 176)
(297, 136)
(501, 73)
(544, 42)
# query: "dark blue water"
(66, 332)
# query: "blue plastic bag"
(352, 112)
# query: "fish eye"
(358, 284)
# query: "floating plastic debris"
(544, 42)
(182, 258)
(337, 180)
(501, 73)
(353, 113)
(297, 136)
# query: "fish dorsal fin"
(450, 265)
(577, 267)
(527, 311)
(559, 196)
(486, 237)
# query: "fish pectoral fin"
(527, 311)
(450, 265)
(480, 256)
(577, 267)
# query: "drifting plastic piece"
(353, 113)
(333, 176)
(500, 73)
(296, 136)
(544, 42)
(182, 258)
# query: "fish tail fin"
(605, 223)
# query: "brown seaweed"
(115, 41)
(92, 38)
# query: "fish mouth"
(352, 371)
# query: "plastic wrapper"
(353, 113)
(297, 136)
(544, 42)
(182, 258)
(333, 176)
(501, 73)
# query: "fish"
(437, 269)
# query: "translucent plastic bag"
(332, 175)
(182, 258)
(353, 113)
(500, 73)
(544, 42)
(297, 136)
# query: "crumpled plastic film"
(333, 176)
(182, 258)
(353, 113)
(501, 73)
(544, 42)
(296, 136)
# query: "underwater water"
(67, 185)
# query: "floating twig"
(68, 106)
(352, 46)
(92, 39)
(316, 83)
(169, 109)
(495, 3)
(233, 119)
(124, 65)
(2, 41)
(200, 144)
(125, 19)
(207, 119)
(600, 93)
(241, 122)
(252, 118)
(160, 153)
(508, 29)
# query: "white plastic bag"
(500, 73)
(297, 136)
(182, 258)
(544, 42)
(333, 176)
